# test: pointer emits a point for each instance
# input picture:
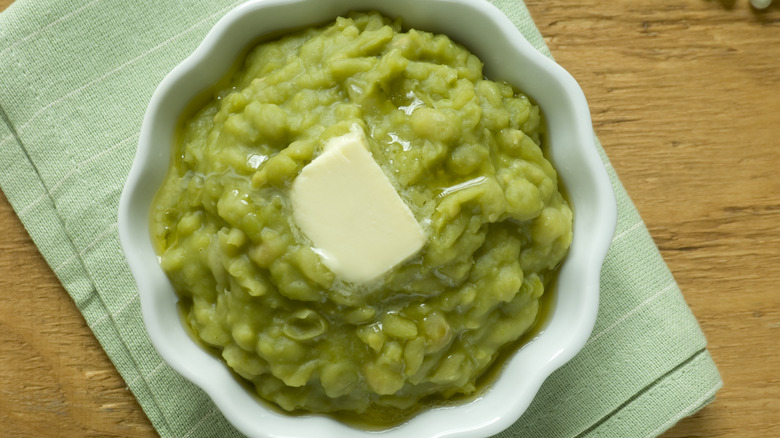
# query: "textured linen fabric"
(75, 79)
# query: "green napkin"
(75, 79)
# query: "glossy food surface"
(463, 152)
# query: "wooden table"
(685, 97)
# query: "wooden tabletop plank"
(684, 98)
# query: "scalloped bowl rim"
(494, 39)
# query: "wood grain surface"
(685, 97)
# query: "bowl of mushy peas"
(348, 218)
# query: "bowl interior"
(507, 56)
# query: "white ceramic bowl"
(507, 56)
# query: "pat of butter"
(346, 206)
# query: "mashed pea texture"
(462, 151)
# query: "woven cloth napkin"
(75, 79)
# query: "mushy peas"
(462, 152)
